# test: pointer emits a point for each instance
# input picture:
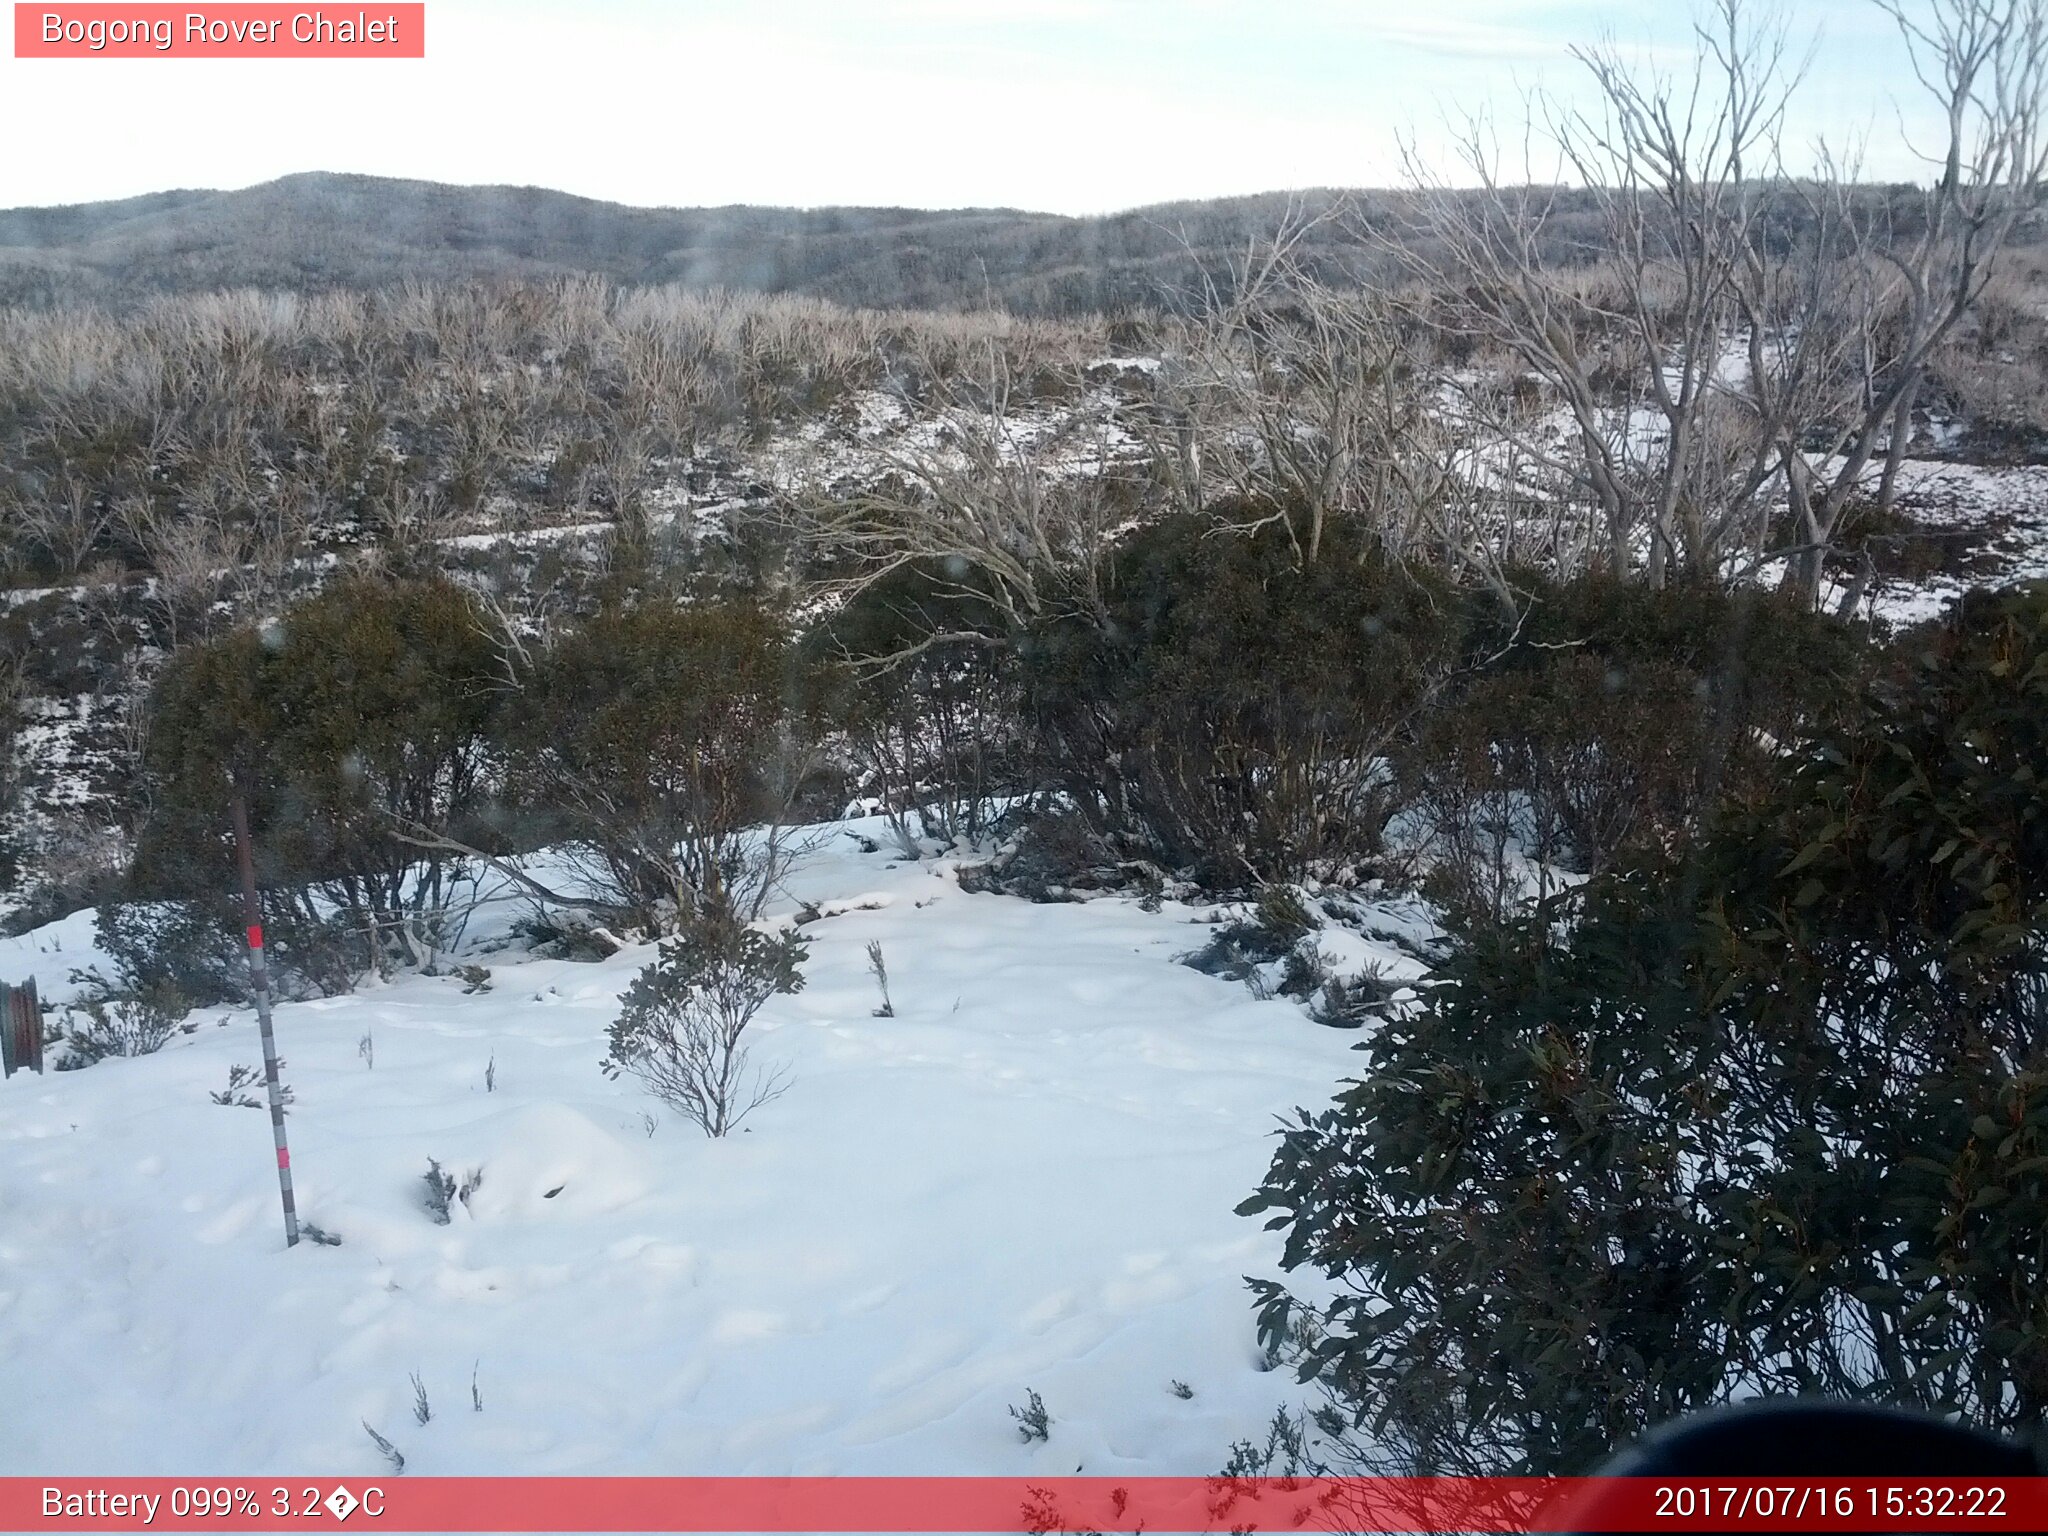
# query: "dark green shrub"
(1057, 855)
(192, 947)
(1231, 711)
(654, 739)
(1270, 933)
(132, 1024)
(1755, 660)
(1772, 1118)
(1607, 721)
(195, 947)
(356, 725)
(930, 714)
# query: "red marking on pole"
(255, 935)
(284, 1157)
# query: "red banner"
(1155, 1505)
(232, 31)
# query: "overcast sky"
(1072, 106)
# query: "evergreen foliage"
(1231, 710)
(681, 1022)
(928, 696)
(1771, 1118)
(362, 714)
(653, 738)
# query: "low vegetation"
(1764, 1117)
(1522, 583)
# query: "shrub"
(1277, 932)
(1347, 1002)
(442, 1190)
(657, 739)
(131, 1025)
(682, 1025)
(1033, 1422)
(1231, 711)
(931, 721)
(1688, 689)
(197, 948)
(242, 1088)
(360, 718)
(1770, 1118)
(1606, 723)
(1056, 854)
(190, 946)
(389, 1451)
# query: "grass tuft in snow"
(880, 972)
(391, 1452)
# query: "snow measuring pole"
(252, 915)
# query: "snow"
(2006, 507)
(1024, 1180)
(50, 954)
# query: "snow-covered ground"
(2000, 513)
(1023, 1180)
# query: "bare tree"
(1006, 505)
(1305, 404)
(1707, 377)
(1628, 323)
(1984, 66)
(67, 524)
(191, 553)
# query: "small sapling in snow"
(240, 1091)
(681, 1024)
(440, 1190)
(1033, 1422)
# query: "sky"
(1066, 106)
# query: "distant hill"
(321, 231)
